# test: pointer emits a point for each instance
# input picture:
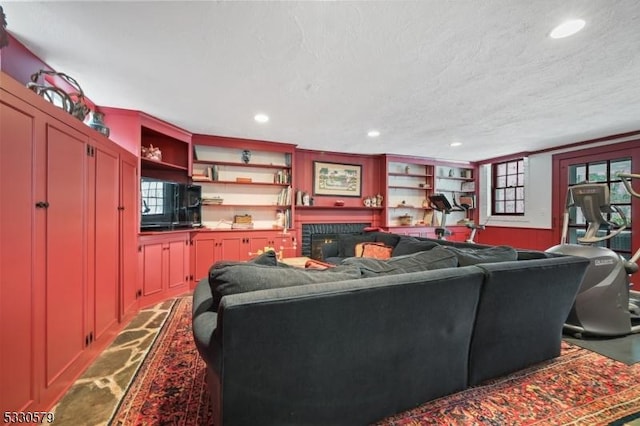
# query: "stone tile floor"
(95, 395)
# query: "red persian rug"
(578, 388)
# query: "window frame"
(502, 170)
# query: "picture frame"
(337, 179)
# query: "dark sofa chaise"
(352, 352)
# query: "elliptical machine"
(466, 204)
(440, 203)
(602, 305)
(634, 296)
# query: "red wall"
(527, 238)
(17, 61)
(303, 175)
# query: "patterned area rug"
(169, 388)
(578, 388)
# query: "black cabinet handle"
(42, 204)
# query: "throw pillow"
(226, 279)
(436, 258)
(409, 245)
(317, 264)
(374, 250)
(473, 256)
(347, 243)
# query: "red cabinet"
(211, 246)
(60, 239)
(164, 266)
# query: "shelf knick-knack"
(246, 156)
(97, 122)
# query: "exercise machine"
(466, 204)
(634, 296)
(439, 202)
(602, 305)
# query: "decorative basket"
(242, 219)
(405, 219)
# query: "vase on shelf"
(97, 122)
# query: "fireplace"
(314, 235)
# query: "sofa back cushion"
(436, 258)
(523, 306)
(226, 278)
(474, 256)
(364, 349)
(408, 245)
(347, 242)
(388, 238)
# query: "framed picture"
(342, 180)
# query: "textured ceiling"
(424, 73)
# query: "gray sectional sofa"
(351, 351)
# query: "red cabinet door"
(257, 243)
(233, 248)
(129, 226)
(66, 250)
(16, 255)
(106, 200)
(177, 266)
(152, 268)
(204, 257)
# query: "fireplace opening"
(318, 241)
(315, 235)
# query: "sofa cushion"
(473, 256)
(436, 258)
(387, 238)
(408, 245)
(347, 243)
(227, 278)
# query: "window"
(508, 188)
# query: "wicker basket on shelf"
(405, 220)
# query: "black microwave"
(166, 205)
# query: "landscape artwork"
(343, 180)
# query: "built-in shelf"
(159, 165)
(410, 174)
(417, 188)
(454, 178)
(247, 165)
(411, 207)
(271, 206)
(337, 208)
(231, 182)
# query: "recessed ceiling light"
(373, 133)
(567, 28)
(455, 144)
(261, 118)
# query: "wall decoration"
(73, 102)
(343, 180)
